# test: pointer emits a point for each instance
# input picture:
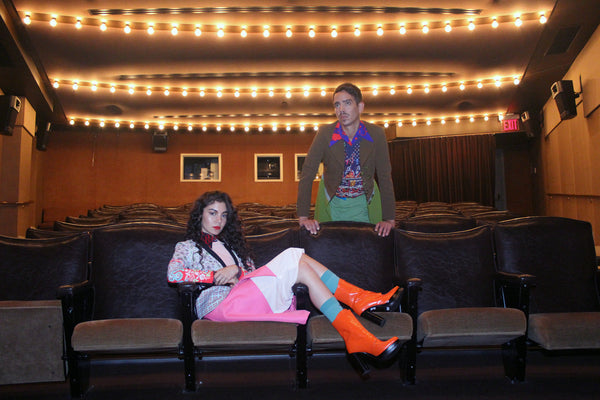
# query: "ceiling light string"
(185, 91)
(302, 126)
(403, 27)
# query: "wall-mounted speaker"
(564, 96)
(9, 108)
(41, 136)
(159, 142)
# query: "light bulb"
(479, 85)
(462, 86)
(131, 90)
(103, 26)
(448, 27)
(288, 32)
(166, 92)
(197, 31)
(184, 93)
(53, 22)
(444, 88)
(127, 28)
(518, 21)
(495, 23)
(131, 125)
(174, 30)
(357, 31)
(148, 91)
(543, 18)
(402, 29)
(471, 26)
(266, 32)
(75, 85)
(334, 32)
(311, 32)
(150, 30)
(243, 32)
(379, 31)
(55, 84)
(72, 121)
(78, 24)
(220, 32)
(425, 28)
(27, 19)
(409, 90)
(426, 89)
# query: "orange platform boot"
(362, 346)
(360, 300)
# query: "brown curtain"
(450, 169)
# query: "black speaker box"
(159, 142)
(9, 108)
(41, 136)
(564, 96)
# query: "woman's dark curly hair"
(232, 231)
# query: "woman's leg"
(359, 341)
(354, 297)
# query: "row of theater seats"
(461, 289)
(260, 218)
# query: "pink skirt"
(265, 294)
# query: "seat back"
(129, 270)
(354, 252)
(33, 269)
(456, 268)
(268, 245)
(559, 252)
(437, 223)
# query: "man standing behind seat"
(352, 153)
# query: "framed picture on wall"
(268, 167)
(299, 163)
(200, 168)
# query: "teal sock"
(331, 308)
(330, 280)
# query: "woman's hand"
(227, 275)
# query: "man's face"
(346, 109)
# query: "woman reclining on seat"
(216, 252)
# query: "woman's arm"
(178, 271)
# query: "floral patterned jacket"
(191, 264)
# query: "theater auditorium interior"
(116, 115)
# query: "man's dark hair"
(351, 89)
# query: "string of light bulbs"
(305, 91)
(275, 126)
(311, 30)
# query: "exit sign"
(509, 125)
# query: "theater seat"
(457, 307)
(565, 309)
(31, 334)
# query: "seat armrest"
(302, 298)
(514, 279)
(512, 290)
(77, 302)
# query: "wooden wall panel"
(85, 170)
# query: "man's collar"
(339, 134)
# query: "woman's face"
(214, 217)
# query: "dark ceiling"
(36, 55)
